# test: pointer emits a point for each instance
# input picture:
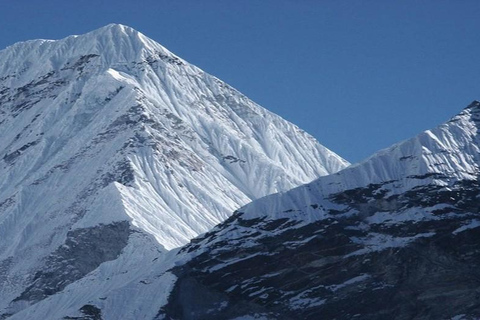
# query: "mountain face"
(113, 151)
(394, 237)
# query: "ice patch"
(377, 242)
(347, 283)
(472, 224)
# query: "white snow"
(300, 302)
(377, 242)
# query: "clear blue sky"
(358, 75)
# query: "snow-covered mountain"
(114, 150)
(394, 237)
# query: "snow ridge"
(440, 156)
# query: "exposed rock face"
(83, 251)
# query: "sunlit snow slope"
(108, 138)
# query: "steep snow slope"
(395, 236)
(107, 138)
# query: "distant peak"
(116, 27)
(474, 105)
(116, 30)
(472, 111)
(118, 42)
(114, 44)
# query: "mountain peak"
(475, 104)
(474, 111)
(468, 117)
(115, 32)
(116, 26)
(113, 46)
